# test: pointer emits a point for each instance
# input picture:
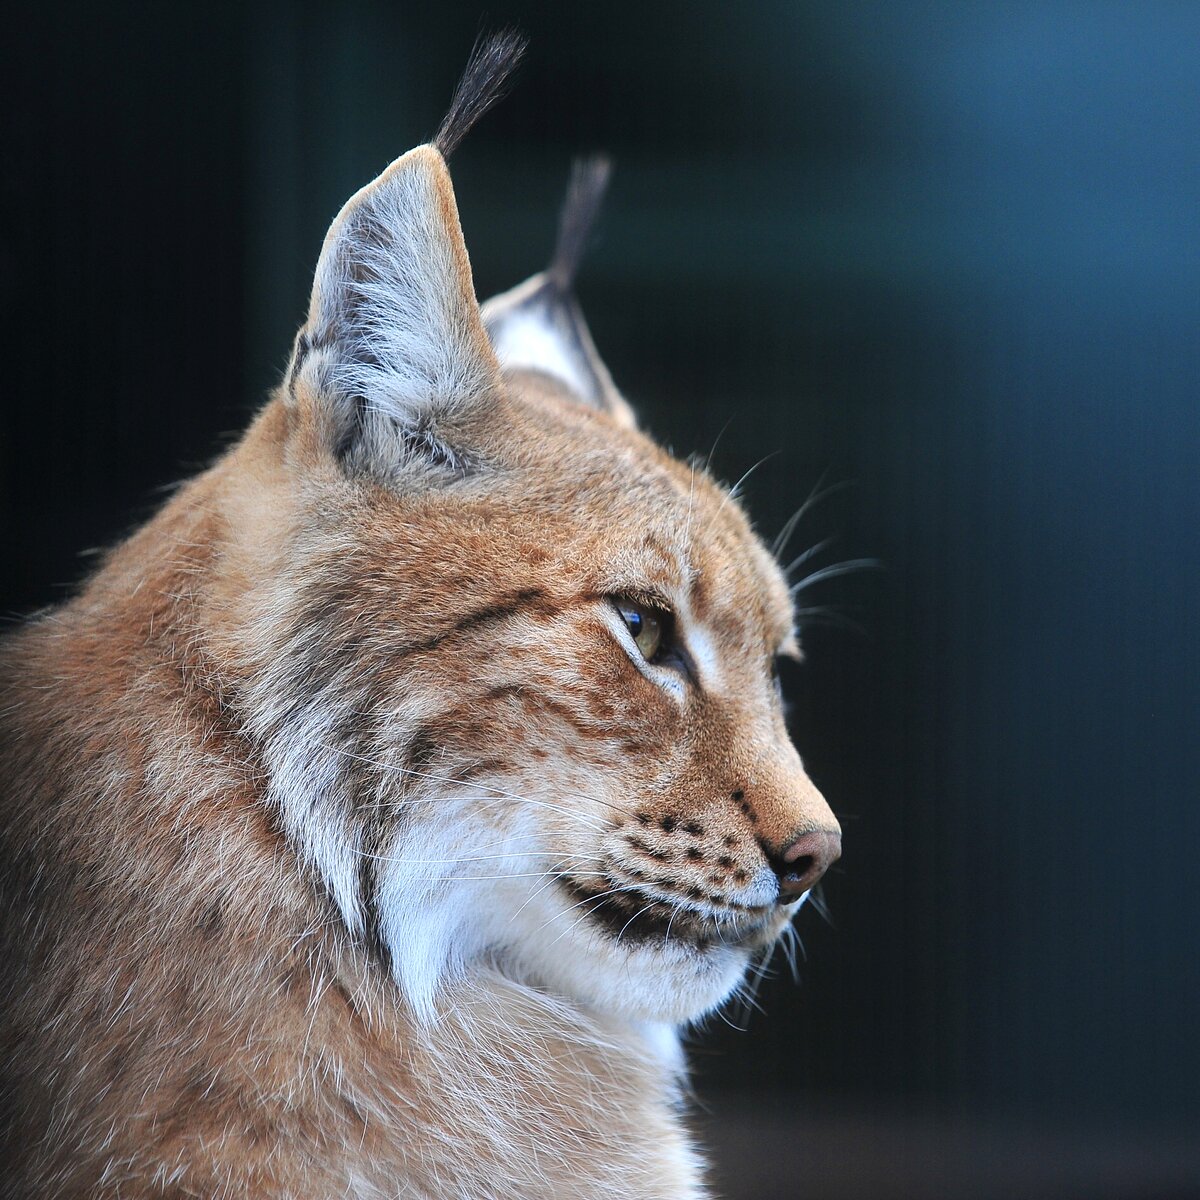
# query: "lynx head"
(511, 666)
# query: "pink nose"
(802, 863)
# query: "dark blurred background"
(945, 254)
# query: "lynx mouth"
(631, 915)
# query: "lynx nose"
(801, 864)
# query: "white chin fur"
(438, 917)
(552, 944)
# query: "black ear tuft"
(492, 62)
(538, 325)
(585, 194)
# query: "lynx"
(377, 813)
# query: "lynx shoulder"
(376, 813)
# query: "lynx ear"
(394, 344)
(539, 326)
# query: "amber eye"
(647, 626)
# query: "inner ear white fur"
(394, 337)
(539, 326)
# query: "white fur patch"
(704, 653)
(305, 775)
(554, 943)
(664, 1039)
(525, 339)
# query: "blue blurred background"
(947, 254)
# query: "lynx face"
(510, 665)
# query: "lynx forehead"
(411, 775)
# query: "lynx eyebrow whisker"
(784, 535)
(732, 493)
(814, 498)
(716, 442)
(830, 572)
(810, 553)
(687, 527)
(825, 615)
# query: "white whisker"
(537, 892)
(732, 493)
(644, 908)
(515, 875)
(810, 553)
(623, 887)
(584, 917)
(425, 862)
(814, 498)
(842, 568)
(825, 615)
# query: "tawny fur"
(294, 788)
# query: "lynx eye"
(647, 626)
